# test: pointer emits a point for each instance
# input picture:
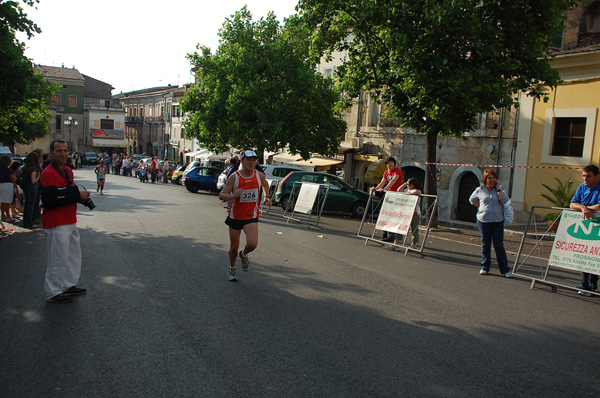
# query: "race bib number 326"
(249, 195)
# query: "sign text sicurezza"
(577, 243)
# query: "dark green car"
(341, 197)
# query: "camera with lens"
(89, 203)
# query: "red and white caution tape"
(500, 165)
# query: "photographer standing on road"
(59, 219)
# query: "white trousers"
(64, 259)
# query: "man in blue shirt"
(587, 200)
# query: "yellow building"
(561, 136)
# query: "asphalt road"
(319, 314)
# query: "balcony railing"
(134, 120)
(154, 120)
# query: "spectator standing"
(166, 168)
(489, 199)
(107, 162)
(234, 165)
(391, 181)
(8, 185)
(130, 171)
(153, 170)
(31, 177)
(16, 205)
(125, 165)
(587, 200)
(59, 197)
(412, 187)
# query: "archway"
(465, 211)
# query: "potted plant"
(560, 197)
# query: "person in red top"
(391, 181)
(243, 192)
(153, 174)
(59, 219)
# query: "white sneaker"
(508, 274)
(483, 272)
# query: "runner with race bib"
(243, 191)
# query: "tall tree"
(436, 64)
(24, 114)
(259, 91)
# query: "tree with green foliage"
(258, 91)
(436, 64)
(24, 114)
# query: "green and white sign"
(577, 243)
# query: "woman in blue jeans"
(31, 175)
(489, 199)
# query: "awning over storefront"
(286, 158)
(195, 153)
(200, 154)
(218, 156)
(109, 143)
(317, 162)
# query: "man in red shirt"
(59, 219)
(391, 181)
(153, 175)
(243, 192)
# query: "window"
(569, 136)
(281, 172)
(59, 122)
(329, 71)
(72, 101)
(56, 99)
(593, 17)
(107, 103)
(310, 178)
(182, 133)
(107, 124)
(334, 183)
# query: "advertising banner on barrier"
(577, 243)
(306, 198)
(396, 212)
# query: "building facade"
(67, 103)
(561, 136)
(85, 104)
(371, 137)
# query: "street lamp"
(70, 123)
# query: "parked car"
(191, 165)
(201, 178)
(278, 171)
(176, 177)
(17, 158)
(222, 180)
(341, 196)
(90, 158)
